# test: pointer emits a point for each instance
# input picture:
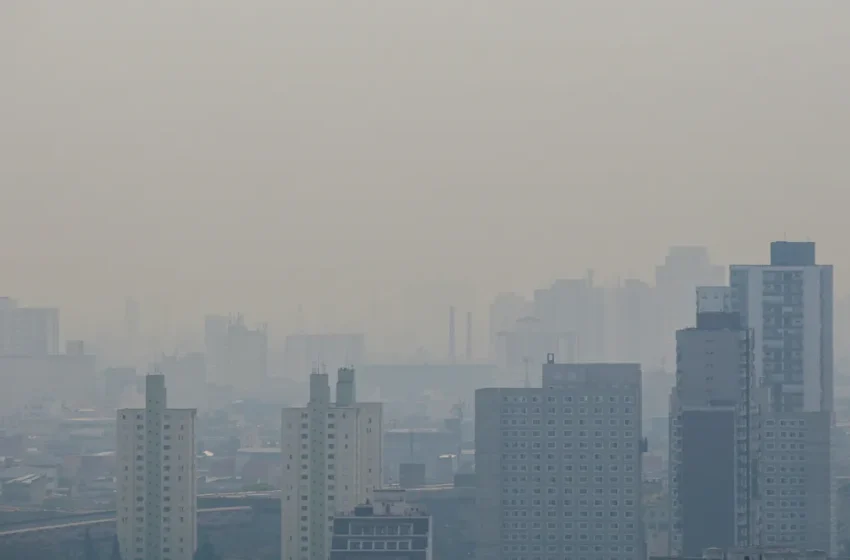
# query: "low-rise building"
(764, 553)
(453, 516)
(388, 527)
(49, 472)
(30, 489)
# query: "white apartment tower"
(156, 508)
(332, 456)
(559, 467)
(788, 305)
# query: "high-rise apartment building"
(187, 379)
(156, 513)
(28, 331)
(505, 310)
(558, 468)
(633, 318)
(332, 456)
(711, 430)
(788, 305)
(235, 354)
(523, 348)
(683, 270)
(574, 309)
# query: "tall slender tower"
(156, 509)
(469, 336)
(131, 327)
(452, 354)
(711, 430)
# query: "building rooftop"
(370, 510)
(14, 473)
(101, 454)
(416, 431)
(25, 480)
(262, 450)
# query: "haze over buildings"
(332, 463)
(455, 203)
(670, 129)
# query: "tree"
(116, 549)
(89, 550)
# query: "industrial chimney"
(452, 355)
(469, 336)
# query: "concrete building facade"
(387, 528)
(235, 354)
(332, 456)
(788, 305)
(558, 468)
(157, 500)
(684, 269)
(28, 331)
(712, 433)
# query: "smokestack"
(469, 336)
(452, 355)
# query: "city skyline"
(479, 280)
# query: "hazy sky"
(252, 155)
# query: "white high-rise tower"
(331, 463)
(788, 306)
(156, 509)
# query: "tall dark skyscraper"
(710, 430)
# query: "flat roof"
(26, 479)
(416, 431)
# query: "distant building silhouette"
(676, 280)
